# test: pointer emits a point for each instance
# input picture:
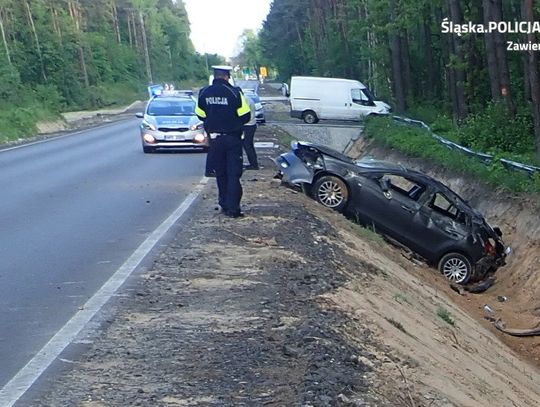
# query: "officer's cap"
(222, 69)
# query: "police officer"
(249, 133)
(224, 110)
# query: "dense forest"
(77, 54)
(403, 50)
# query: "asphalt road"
(73, 209)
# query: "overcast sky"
(217, 24)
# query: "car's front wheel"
(456, 267)
(332, 192)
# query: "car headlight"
(258, 106)
(199, 126)
(199, 138)
(148, 126)
(149, 139)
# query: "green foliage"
(417, 142)
(71, 55)
(48, 95)
(402, 299)
(389, 42)
(493, 129)
(284, 138)
(367, 233)
(446, 316)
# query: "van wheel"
(456, 267)
(310, 117)
(332, 192)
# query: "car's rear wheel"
(147, 149)
(310, 117)
(332, 192)
(456, 267)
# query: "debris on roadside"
(487, 308)
(534, 331)
(475, 288)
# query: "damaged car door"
(445, 227)
(391, 202)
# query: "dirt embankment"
(83, 119)
(519, 281)
(292, 305)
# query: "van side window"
(359, 97)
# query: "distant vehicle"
(249, 85)
(259, 106)
(231, 80)
(313, 98)
(169, 121)
(406, 205)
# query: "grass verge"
(417, 142)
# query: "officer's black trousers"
(249, 147)
(227, 161)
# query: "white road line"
(24, 379)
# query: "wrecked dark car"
(416, 210)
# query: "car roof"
(171, 98)
(372, 165)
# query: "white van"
(314, 98)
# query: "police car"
(259, 107)
(169, 122)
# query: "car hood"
(295, 145)
(172, 121)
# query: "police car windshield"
(252, 96)
(171, 108)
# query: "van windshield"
(360, 97)
(368, 93)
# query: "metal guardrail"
(486, 158)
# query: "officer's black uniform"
(224, 110)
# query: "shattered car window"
(442, 205)
(405, 186)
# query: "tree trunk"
(534, 81)
(502, 62)
(496, 57)
(491, 54)
(130, 23)
(458, 73)
(36, 38)
(430, 85)
(397, 63)
(56, 25)
(4, 40)
(74, 13)
(145, 48)
(406, 65)
(116, 22)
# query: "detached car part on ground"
(169, 122)
(408, 206)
